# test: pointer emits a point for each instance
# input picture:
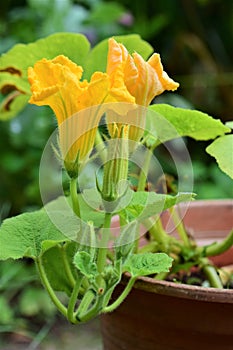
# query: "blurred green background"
(195, 40)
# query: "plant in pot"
(105, 241)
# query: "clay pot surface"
(160, 315)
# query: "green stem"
(84, 305)
(103, 250)
(91, 313)
(161, 276)
(73, 300)
(144, 171)
(212, 276)
(66, 264)
(158, 233)
(218, 248)
(74, 196)
(179, 226)
(49, 288)
(122, 297)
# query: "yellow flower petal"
(117, 57)
(136, 78)
(53, 82)
(166, 82)
(143, 80)
(56, 83)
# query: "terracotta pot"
(160, 315)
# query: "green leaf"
(84, 263)
(229, 124)
(63, 217)
(90, 204)
(222, 150)
(125, 243)
(21, 56)
(97, 59)
(24, 235)
(55, 266)
(147, 204)
(16, 101)
(165, 122)
(147, 264)
(14, 65)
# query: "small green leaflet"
(84, 263)
(147, 264)
(147, 204)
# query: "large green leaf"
(147, 264)
(165, 122)
(14, 65)
(21, 56)
(55, 262)
(12, 105)
(97, 59)
(222, 150)
(25, 234)
(146, 204)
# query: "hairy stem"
(158, 233)
(179, 226)
(49, 288)
(73, 300)
(74, 196)
(67, 268)
(85, 304)
(122, 297)
(218, 248)
(212, 276)
(103, 250)
(144, 171)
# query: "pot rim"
(180, 290)
(206, 202)
(184, 291)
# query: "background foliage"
(194, 38)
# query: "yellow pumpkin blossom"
(129, 80)
(143, 80)
(57, 83)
